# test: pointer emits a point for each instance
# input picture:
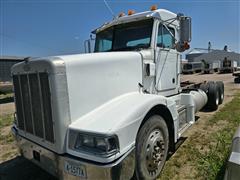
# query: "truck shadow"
(180, 141)
(22, 169)
(206, 110)
(221, 172)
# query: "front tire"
(151, 148)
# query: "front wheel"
(151, 148)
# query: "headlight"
(93, 143)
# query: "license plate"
(75, 169)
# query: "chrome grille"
(33, 104)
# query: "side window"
(165, 39)
(104, 41)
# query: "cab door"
(167, 61)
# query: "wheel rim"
(154, 152)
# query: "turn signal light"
(121, 14)
(153, 7)
(186, 45)
(131, 12)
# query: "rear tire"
(151, 148)
(213, 96)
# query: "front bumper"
(53, 163)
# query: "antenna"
(109, 8)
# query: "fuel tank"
(200, 99)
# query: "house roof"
(198, 51)
(11, 58)
(218, 55)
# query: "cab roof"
(161, 14)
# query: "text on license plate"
(75, 169)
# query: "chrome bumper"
(53, 163)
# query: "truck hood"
(94, 79)
(66, 88)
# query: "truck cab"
(155, 36)
(114, 113)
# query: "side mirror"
(185, 29)
(88, 44)
(185, 34)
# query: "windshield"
(123, 37)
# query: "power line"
(109, 8)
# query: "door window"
(165, 39)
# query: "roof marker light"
(153, 7)
(186, 45)
(131, 12)
(121, 14)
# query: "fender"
(122, 116)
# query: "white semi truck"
(228, 66)
(192, 67)
(114, 113)
(210, 67)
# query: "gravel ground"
(21, 169)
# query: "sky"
(55, 27)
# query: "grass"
(212, 164)
(5, 139)
(6, 88)
(8, 148)
(6, 120)
(205, 153)
(6, 98)
(5, 95)
(10, 154)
